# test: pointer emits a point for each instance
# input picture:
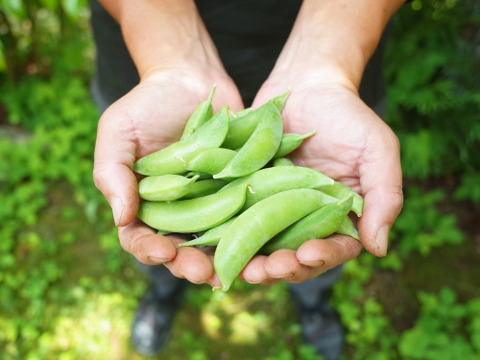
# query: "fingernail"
(382, 239)
(117, 209)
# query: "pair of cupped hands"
(351, 145)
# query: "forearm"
(334, 39)
(163, 34)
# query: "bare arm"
(163, 34)
(322, 63)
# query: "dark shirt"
(248, 34)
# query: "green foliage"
(432, 69)
(33, 33)
(421, 227)
(469, 189)
(446, 329)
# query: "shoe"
(321, 328)
(152, 325)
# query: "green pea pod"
(211, 161)
(282, 161)
(240, 113)
(204, 187)
(200, 116)
(201, 175)
(192, 215)
(290, 142)
(259, 148)
(280, 100)
(342, 191)
(347, 228)
(272, 180)
(164, 187)
(242, 127)
(317, 225)
(211, 237)
(258, 224)
(173, 158)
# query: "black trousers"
(249, 36)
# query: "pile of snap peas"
(229, 183)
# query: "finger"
(255, 273)
(283, 264)
(381, 183)
(112, 174)
(193, 265)
(142, 242)
(325, 254)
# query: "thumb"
(381, 182)
(112, 174)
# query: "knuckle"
(98, 176)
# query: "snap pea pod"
(211, 161)
(201, 115)
(164, 187)
(280, 100)
(342, 191)
(242, 127)
(282, 161)
(317, 225)
(258, 224)
(211, 237)
(240, 113)
(290, 142)
(192, 215)
(201, 175)
(173, 158)
(204, 187)
(347, 228)
(272, 180)
(259, 148)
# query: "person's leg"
(321, 326)
(116, 75)
(154, 317)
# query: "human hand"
(352, 145)
(149, 118)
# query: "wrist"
(334, 39)
(165, 34)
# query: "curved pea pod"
(200, 116)
(272, 180)
(282, 161)
(317, 225)
(280, 100)
(204, 187)
(347, 228)
(258, 224)
(342, 191)
(201, 175)
(212, 236)
(164, 187)
(240, 113)
(173, 158)
(242, 127)
(259, 148)
(192, 215)
(211, 161)
(290, 142)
